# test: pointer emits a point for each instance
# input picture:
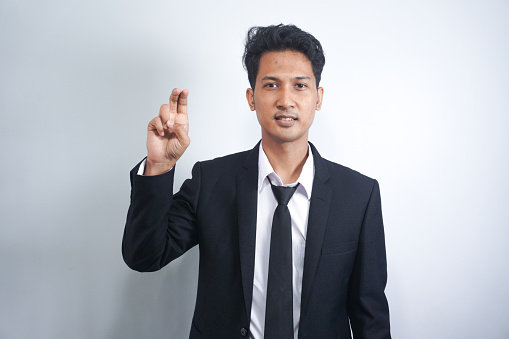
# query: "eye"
(301, 85)
(270, 85)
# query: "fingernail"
(161, 133)
(170, 123)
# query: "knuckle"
(158, 123)
(164, 108)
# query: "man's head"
(284, 64)
(261, 40)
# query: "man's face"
(285, 97)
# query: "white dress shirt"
(299, 211)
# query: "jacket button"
(243, 331)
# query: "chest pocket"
(342, 247)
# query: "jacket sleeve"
(160, 226)
(367, 304)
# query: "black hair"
(277, 38)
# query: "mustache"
(286, 114)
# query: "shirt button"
(243, 331)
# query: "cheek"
(310, 107)
(259, 116)
(262, 107)
(310, 119)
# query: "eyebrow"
(301, 77)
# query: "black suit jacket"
(344, 273)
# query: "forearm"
(158, 229)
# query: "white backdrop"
(416, 96)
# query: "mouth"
(285, 119)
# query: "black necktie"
(279, 308)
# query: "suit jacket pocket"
(341, 247)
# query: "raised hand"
(167, 136)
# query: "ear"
(250, 99)
(319, 98)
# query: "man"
(327, 280)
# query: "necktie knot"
(283, 194)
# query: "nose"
(285, 100)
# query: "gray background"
(416, 96)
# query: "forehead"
(284, 63)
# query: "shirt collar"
(305, 180)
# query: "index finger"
(182, 102)
(174, 99)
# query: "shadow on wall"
(158, 304)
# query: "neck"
(287, 159)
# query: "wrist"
(157, 168)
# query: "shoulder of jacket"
(224, 163)
(346, 174)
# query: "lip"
(285, 119)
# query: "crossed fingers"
(174, 112)
(178, 105)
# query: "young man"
(311, 266)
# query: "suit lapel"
(247, 186)
(317, 222)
